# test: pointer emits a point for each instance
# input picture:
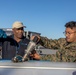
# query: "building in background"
(27, 34)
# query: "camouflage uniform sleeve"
(52, 44)
(63, 55)
(49, 43)
(52, 57)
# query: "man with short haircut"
(16, 44)
(66, 47)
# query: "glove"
(18, 58)
(2, 34)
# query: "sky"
(47, 17)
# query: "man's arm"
(61, 56)
(52, 44)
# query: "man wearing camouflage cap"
(66, 47)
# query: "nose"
(66, 34)
(20, 31)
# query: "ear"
(13, 30)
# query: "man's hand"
(37, 38)
(35, 56)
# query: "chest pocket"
(21, 49)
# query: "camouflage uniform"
(66, 51)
